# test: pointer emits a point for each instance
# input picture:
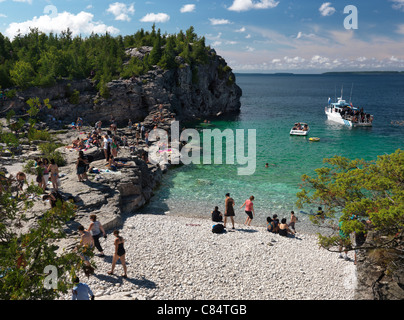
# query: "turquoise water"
(271, 105)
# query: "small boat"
(314, 139)
(345, 113)
(300, 129)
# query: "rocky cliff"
(186, 92)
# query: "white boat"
(300, 129)
(344, 113)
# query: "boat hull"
(298, 133)
(336, 117)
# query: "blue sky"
(301, 36)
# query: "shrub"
(49, 152)
(41, 135)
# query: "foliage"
(9, 139)
(42, 135)
(24, 255)
(36, 106)
(75, 97)
(357, 190)
(49, 151)
(23, 74)
(39, 59)
(29, 167)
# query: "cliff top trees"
(37, 59)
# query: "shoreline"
(172, 257)
(178, 258)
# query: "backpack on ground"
(218, 228)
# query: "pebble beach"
(179, 258)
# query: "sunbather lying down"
(113, 165)
(77, 144)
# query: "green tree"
(25, 255)
(156, 53)
(167, 60)
(23, 74)
(354, 190)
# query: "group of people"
(46, 170)
(273, 224)
(355, 115)
(89, 239)
(282, 227)
(300, 127)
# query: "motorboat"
(300, 129)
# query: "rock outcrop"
(374, 282)
(200, 91)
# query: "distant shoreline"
(321, 74)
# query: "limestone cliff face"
(186, 93)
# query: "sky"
(255, 36)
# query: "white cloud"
(155, 17)
(398, 4)
(400, 29)
(241, 30)
(2, 15)
(326, 9)
(245, 5)
(187, 8)
(302, 35)
(121, 11)
(81, 23)
(215, 22)
(24, 1)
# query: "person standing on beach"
(45, 163)
(96, 229)
(86, 241)
(107, 147)
(229, 210)
(54, 172)
(249, 210)
(39, 175)
(293, 220)
(81, 166)
(119, 254)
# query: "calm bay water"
(271, 104)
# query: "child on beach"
(293, 220)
